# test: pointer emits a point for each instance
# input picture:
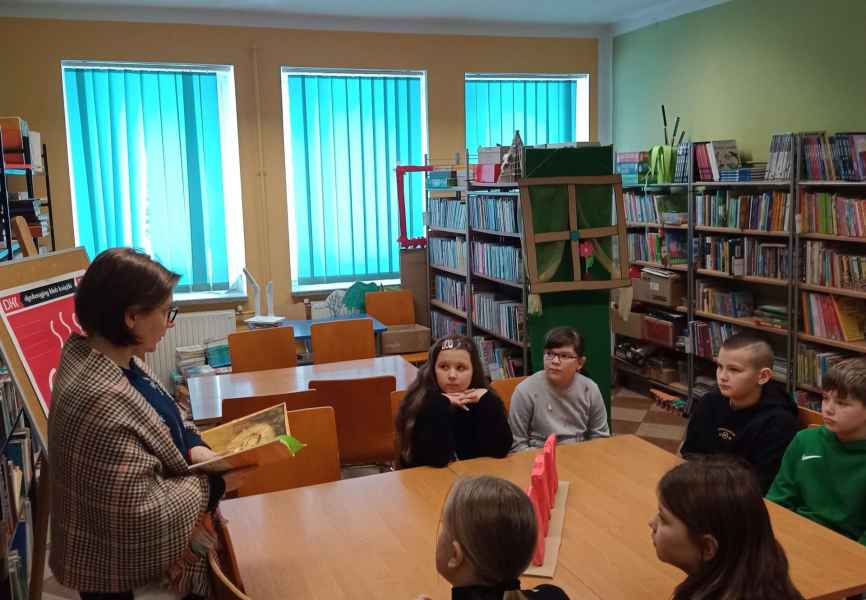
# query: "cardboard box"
(401, 339)
(492, 155)
(658, 289)
(632, 327)
(487, 173)
(659, 331)
(413, 277)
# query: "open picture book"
(258, 439)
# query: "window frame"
(285, 100)
(230, 155)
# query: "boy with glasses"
(558, 400)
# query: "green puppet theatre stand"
(557, 256)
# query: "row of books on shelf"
(681, 166)
(744, 256)
(780, 164)
(713, 298)
(767, 211)
(832, 317)
(495, 213)
(17, 472)
(443, 324)
(650, 207)
(451, 291)
(756, 171)
(832, 214)
(499, 361)
(498, 315)
(711, 157)
(448, 252)
(823, 265)
(447, 212)
(10, 403)
(814, 362)
(663, 247)
(497, 260)
(839, 157)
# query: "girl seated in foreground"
(448, 412)
(713, 524)
(486, 540)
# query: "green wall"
(743, 70)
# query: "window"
(345, 132)
(153, 157)
(547, 109)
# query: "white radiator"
(189, 329)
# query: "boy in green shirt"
(823, 473)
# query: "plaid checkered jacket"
(123, 502)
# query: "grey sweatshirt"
(538, 409)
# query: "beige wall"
(33, 49)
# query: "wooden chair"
(315, 426)
(365, 427)
(336, 341)
(392, 307)
(809, 417)
(505, 387)
(235, 408)
(225, 577)
(21, 231)
(396, 399)
(261, 349)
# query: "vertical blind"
(544, 110)
(147, 167)
(345, 134)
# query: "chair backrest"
(349, 339)
(396, 307)
(505, 387)
(260, 349)
(365, 427)
(225, 577)
(235, 408)
(396, 399)
(809, 417)
(318, 462)
(21, 231)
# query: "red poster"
(39, 317)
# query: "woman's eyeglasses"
(171, 314)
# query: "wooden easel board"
(36, 316)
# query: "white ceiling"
(515, 17)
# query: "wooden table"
(207, 393)
(375, 536)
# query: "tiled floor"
(638, 414)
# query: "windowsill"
(199, 298)
(344, 285)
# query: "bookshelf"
(828, 244)
(18, 170)
(475, 267)
(816, 248)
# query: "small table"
(206, 393)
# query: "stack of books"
(756, 172)
(633, 166)
(772, 315)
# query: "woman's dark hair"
(425, 386)
(117, 281)
(564, 336)
(722, 498)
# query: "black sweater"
(443, 433)
(758, 434)
(481, 592)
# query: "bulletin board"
(37, 314)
